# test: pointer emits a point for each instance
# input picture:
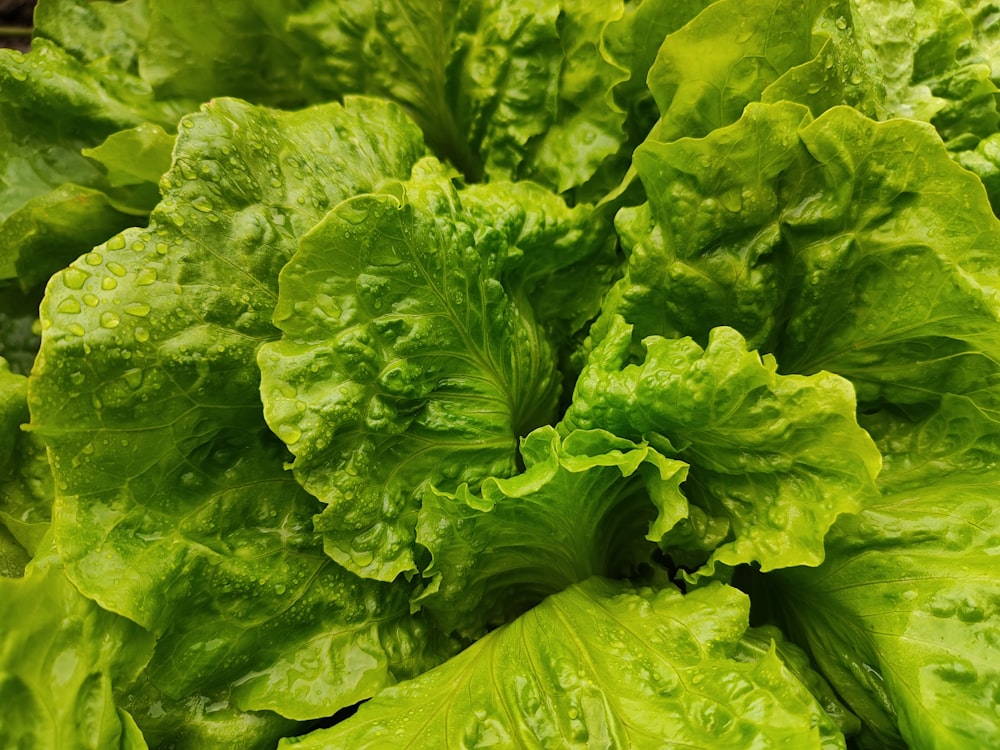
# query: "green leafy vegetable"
(774, 459)
(601, 664)
(413, 354)
(481, 373)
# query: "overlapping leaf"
(172, 504)
(601, 664)
(580, 508)
(413, 353)
(774, 458)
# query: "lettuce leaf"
(839, 244)
(413, 354)
(78, 85)
(172, 504)
(601, 664)
(64, 663)
(577, 510)
(26, 488)
(902, 616)
(774, 459)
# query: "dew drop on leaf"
(74, 278)
(69, 305)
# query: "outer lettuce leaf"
(902, 616)
(736, 52)
(600, 665)
(57, 101)
(633, 42)
(64, 663)
(774, 458)
(413, 354)
(197, 50)
(858, 247)
(506, 90)
(172, 504)
(577, 510)
(25, 479)
(927, 57)
(134, 160)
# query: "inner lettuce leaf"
(413, 353)
(601, 664)
(774, 459)
(173, 507)
(838, 244)
(580, 508)
(64, 664)
(902, 616)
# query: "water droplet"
(91, 300)
(109, 320)
(76, 378)
(203, 204)
(116, 243)
(77, 329)
(138, 309)
(162, 248)
(141, 334)
(289, 433)
(146, 277)
(187, 123)
(93, 259)
(108, 283)
(74, 278)
(69, 305)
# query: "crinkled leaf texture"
(580, 508)
(421, 333)
(503, 90)
(838, 244)
(173, 507)
(774, 459)
(601, 664)
(736, 52)
(902, 616)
